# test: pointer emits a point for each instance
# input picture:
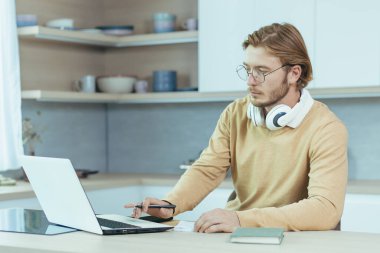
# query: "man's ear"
(294, 74)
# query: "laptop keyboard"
(114, 224)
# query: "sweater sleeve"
(323, 207)
(207, 172)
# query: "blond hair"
(285, 42)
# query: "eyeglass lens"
(243, 74)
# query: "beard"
(274, 96)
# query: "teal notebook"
(258, 235)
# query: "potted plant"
(29, 136)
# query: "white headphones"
(282, 115)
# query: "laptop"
(65, 202)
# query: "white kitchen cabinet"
(224, 26)
(361, 213)
(299, 13)
(342, 37)
(216, 199)
(29, 203)
(347, 43)
(112, 200)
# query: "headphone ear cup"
(273, 116)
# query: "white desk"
(183, 242)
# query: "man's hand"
(158, 212)
(217, 220)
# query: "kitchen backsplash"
(75, 131)
(157, 138)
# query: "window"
(10, 89)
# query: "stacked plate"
(116, 30)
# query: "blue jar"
(164, 80)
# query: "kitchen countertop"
(94, 182)
(115, 180)
(171, 241)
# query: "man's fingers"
(158, 212)
(206, 225)
(134, 211)
(146, 203)
(219, 228)
(198, 224)
(213, 229)
(137, 212)
(204, 222)
(217, 220)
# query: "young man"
(287, 153)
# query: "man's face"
(275, 86)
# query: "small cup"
(85, 84)
(191, 24)
(141, 86)
(164, 22)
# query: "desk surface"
(182, 242)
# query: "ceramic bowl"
(62, 23)
(116, 84)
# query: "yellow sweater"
(290, 178)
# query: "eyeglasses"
(257, 75)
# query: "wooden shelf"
(133, 98)
(182, 97)
(99, 39)
(69, 96)
(347, 92)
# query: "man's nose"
(251, 80)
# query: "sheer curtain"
(10, 90)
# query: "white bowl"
(116, 84)
(62, 23)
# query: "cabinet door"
(347, 43)
(216, 199)
(30, 203)
(111, 201)
(224, 25)
(361, 213)
(299, 13)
